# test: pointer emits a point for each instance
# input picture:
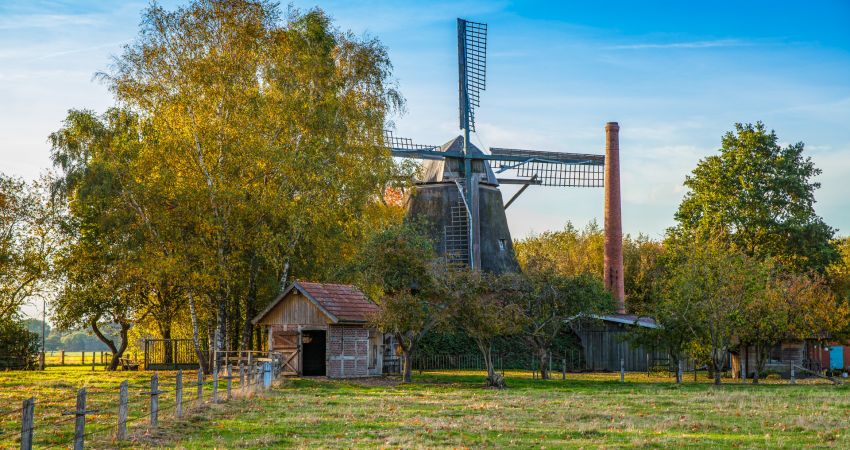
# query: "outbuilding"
(322, 329)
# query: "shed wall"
(348, 351)
(295, 309)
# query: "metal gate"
(170, 354)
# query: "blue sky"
(675, 75)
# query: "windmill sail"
(472, 66)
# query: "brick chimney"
(613, 271)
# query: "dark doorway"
(313, 356)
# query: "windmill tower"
(458, 187)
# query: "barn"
(322, 330)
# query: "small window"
(503, 245)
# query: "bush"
(18, 346)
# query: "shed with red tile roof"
(323, 329)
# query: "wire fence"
(129, 410)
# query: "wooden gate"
(287, 343)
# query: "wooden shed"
(322, 330)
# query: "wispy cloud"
(683, 45)
(49, 21)
(80, 50)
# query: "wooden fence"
(112, 415)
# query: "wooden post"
(215, 385)
(229, 381)
(123, 407)
(178, 394)
(61, 357)
(80, 422)
(241, 377)
(84, 358)
(200, 395)
(622, 370)
(93, 360)
(154, 400)
(564, 369)
(27, 413)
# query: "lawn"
(452, 410)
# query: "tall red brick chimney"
(613, 271)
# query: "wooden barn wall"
(604, 346)
(295, 309)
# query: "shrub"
(18, 346)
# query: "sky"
(675, 75)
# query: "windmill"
(457, 191)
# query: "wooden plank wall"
(295, 309)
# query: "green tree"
(760, 197)
(485, 307)
(397, 268)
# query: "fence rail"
(116, 414)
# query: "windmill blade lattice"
(472, 64)
(550, 168)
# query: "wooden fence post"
(154, 400)
(84, 358)
(80, 422)
(622, 370)
(61, 357)
(93, 358)
(178, 394)
(241, 377)
(215, 385)
(27, 413)
(564, 369)
(229, 381)
(200, 396)
(123, 407)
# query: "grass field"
(452, 410)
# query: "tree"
(705, 293)
(760, 196)
(485, 307)
(28, 240)
(261, 150)
(547, 300)
(397, 269)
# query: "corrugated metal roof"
(344, 302)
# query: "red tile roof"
(344, 301)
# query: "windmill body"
(458, 187)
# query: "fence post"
(123, 406)
(178, 394)
(93, 358)
(622, 370)
(215, 385)
(229, 381)
(154, 400)
(27, 413)
(200, 396)
(241, 377)
(61, 357)
(564, 369)
(80, 422)
(84, 358)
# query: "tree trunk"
(165, 331)
(758, 364)
(494, 380)
(116, 351)
(250, 301)
(407, 371)
(543, 357)
(717, 362)
(202, 361)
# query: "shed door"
(836, 357)
(286, 342)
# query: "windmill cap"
(446, 169)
